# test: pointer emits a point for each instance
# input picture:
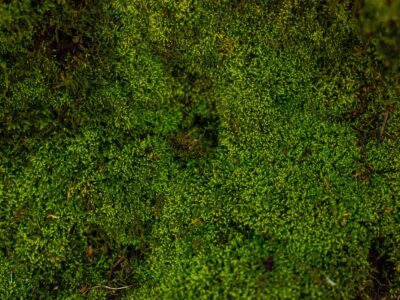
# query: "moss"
(199, 149)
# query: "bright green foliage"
(199, 149)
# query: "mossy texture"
(199, 149)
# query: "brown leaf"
(90, 252)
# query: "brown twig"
(86, 290)
(111, 288)
(114, 266)
(384, 124)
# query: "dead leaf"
(90, 252)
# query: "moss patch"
(199, 149)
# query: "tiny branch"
(384, 124)
(110, 288)
(86, 290)
(119, 261)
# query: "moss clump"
(199, 149)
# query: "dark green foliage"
(199, 149)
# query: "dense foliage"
(198, 149)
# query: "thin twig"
(385, 118)
(85, 290)
(111, 288)
(119, 261)
(114, 266)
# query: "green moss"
(194, 149)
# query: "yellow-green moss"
(199, 149)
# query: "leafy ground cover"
(199, 149)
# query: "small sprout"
(70, 191)
(343, 221)
(330, 281)
(388, 210)
(328, 184)
(50, 216)
(197, 221)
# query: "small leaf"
(197, 221)
(70, 191)
(388, 210)
(90, 252)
